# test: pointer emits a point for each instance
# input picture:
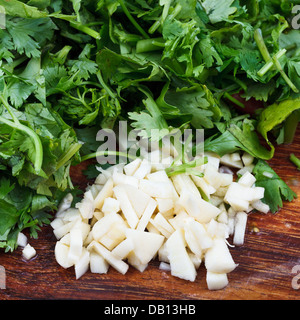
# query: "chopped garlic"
(28, 252)
(135, 213)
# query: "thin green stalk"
(270, 63)
(7, 107)
(266, 55)
(105, 86)
(132, 20)
(108, 153)
(68, 155)
(35, 138)
(261, 45)
(237, 81)
(295, 161)
(147, 45)
(94, 34)
(284, 76)
(186, 167)
(232, 99)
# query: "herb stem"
(132, 20)
(270, 63)
(284, 75)
(68, 155)
(35, 138)
(92, 33)
(107, 153)
(295, 160)
(261, 45)
(105, 86)
(232, 99)
(186, 167)
(147, 45)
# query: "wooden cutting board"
(265, 271)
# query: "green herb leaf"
(276, 190)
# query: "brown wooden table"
(266, 262)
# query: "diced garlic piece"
(71, 214)
(200, 233)
(216, 229)
(101, 179)
(198, 208)
(76, 245)
(191, 241)
(28, 252)
(86, 206)
(143, 170)
(63, 230)
(123, 249)
(57, 223)
(260, 206)
(179, 220)
(227, 161)
(61, 255)
(114, 236)
(156, 189)
(216, 281)
(163, 253)
(246, 169)
(98, 263)
(146, 244)
(145, 218)
(106, 191)
(132, 166)
(138, 199)
(195, 259)
(22, 240)
(123, 179)
(183, 182)
(164, 266)
(204, 186)
(65, 204)
(240, 228)
(104, 225)
(247, 179)
(82, 265)
(110, 205)
(258, 193)
(165, 205)
(135, 262)
(180, 262)
(218, 259)
(116, 263)
(126, 206)
(162, 225)
(247, 159)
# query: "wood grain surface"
(265, 270)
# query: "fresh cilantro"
(71, 68)
(217, 11)
(276, 190)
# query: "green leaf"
(218, 10)
(19, 9)
(276, 190)
(8, 216)
(5, 187)
(274, 115)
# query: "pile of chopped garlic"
(135, 213)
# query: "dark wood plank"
(264, 272)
